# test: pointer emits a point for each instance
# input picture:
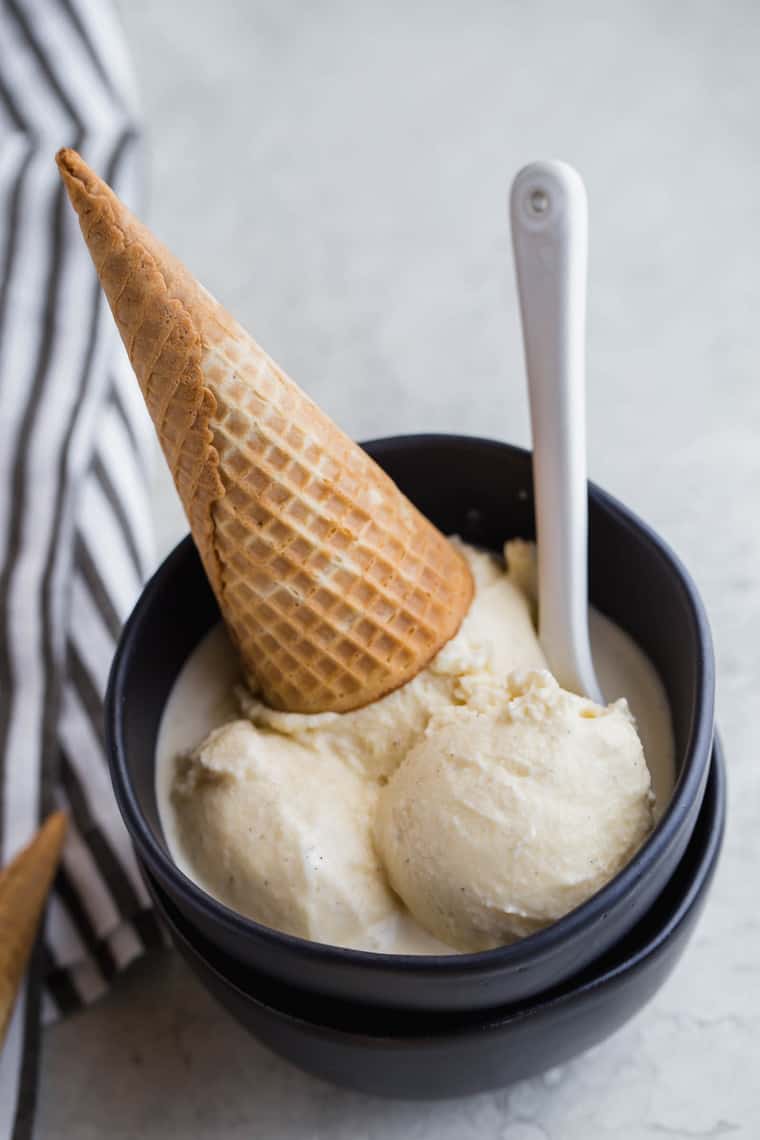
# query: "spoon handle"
(549, 215)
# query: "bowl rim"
(517, 955)
(698, 878)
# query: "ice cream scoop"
(283, 835)
(512, 810)
(335, 589)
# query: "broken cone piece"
(24, 887)
(335, 589)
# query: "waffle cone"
(335, 589)
(24, 887)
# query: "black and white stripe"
(75, 541)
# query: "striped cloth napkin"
(75, 535)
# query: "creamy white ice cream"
(513, 809)
(479, 796)
(282, 834)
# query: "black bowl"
(482, 491)
(428, 1055)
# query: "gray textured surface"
(337, 174)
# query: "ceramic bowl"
(482, 491)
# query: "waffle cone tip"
(24, 887)
(80, 181)
(68, 160)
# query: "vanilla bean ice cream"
(283, 835)
(472, 806)
(513, 809)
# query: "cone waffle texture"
(24, 887)
(334, 587)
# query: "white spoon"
(549, 215)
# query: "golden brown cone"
(24, 887)
(334, 587)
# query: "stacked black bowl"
(446, 1026)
